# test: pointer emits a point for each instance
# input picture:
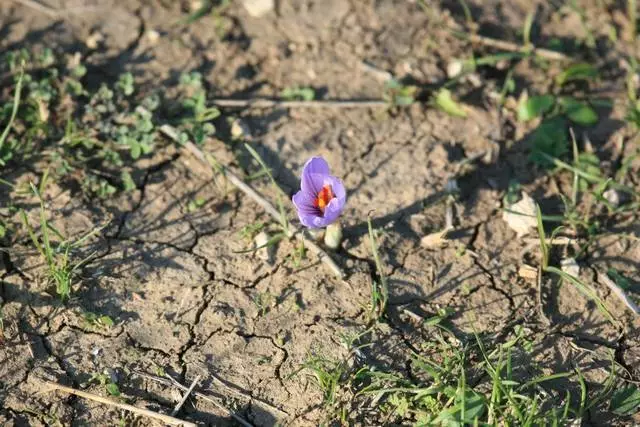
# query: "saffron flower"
(322, 197)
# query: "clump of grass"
(61, 270)
(379, 289)
(469, 383)
(332, 377)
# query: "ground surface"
(184, 302)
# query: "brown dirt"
(183, 301)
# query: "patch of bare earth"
(185, 301)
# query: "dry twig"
(186, 395)
(514, 47)
(50, 12)
(269, 103)
(173, 382)
(294, 231)
(140, 411)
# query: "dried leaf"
(528, 272)
(521, 216)
(434, 239)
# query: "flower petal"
(337, 187)
(304, 206)
(313, 175)
(304, 202)
(332, 211)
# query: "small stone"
(454, 68)
(257, 8)
(612, 196)
(94, 40)
(570, 266)
(240, 130)
(153, 36)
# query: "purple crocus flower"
(322, 197)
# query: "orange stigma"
(324, 197)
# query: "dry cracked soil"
(186, 302)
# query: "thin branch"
(270, 103)
(46, 10)
(186, 395)
(237, 390)
(514, 47)
(294, 231)
(140, 411)
(619, 292)
(173, 382)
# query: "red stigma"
(324, 197)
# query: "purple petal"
(337, 187)
(331, 213)
(304, 203)
(309, 220)
(313, 175)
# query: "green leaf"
(298, 94)
(474, 405)
(579, 112)
(549, 139)
(534, 107)
(127, 181)
(445, 102)
(625, 401)
(106, 321)
(136, 150)
(581, 71)
(113, 389)
(588, 163)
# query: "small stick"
(51, 13)
(270, 103)
(294, 231)
(560, 241)
(379, 74)
(619, 292)
(173, 382)
(514, 47)
(186, 396)
(240, 392)
(140, 411)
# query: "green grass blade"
(283, 216)
(544, 248)
(14, 111)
